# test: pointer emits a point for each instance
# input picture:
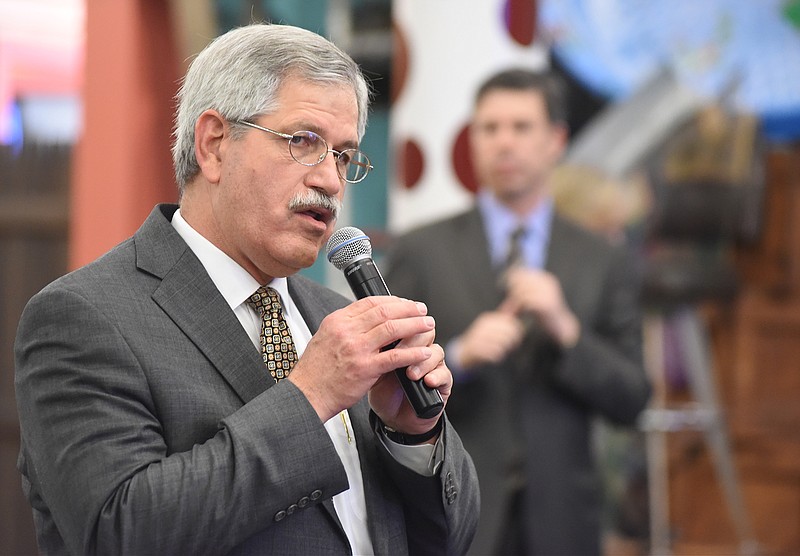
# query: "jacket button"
(280, 515)
(303, 502)
(316, 494)
(290, 510)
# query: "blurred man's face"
(514, 144)
(251, 208)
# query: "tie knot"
(265, 300)
(518, 234)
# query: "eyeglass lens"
(308, 148)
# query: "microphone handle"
(365, 280)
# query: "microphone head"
(347, 245)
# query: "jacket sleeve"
(605, 369)
(442, 511)
(94, 448)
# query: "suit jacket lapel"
(561, 257)
(303, 291)
(471, 251)
(188, 296)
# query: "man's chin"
(289, 263)
(305, 260)
(512, 191)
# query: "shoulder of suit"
(438, 228)
(114, 268)
(299, 285)
(578, 232)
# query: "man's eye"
(306, 139)
(344, 158)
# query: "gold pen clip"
(346, 428)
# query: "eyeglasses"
(309, 149)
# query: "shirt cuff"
(424, 459)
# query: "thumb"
(509, 306)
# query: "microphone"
(350, 250)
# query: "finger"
(377, 312)
(379, 307)
(403, 332)
(402, 358)
(510, 306)
(423, 339)
(440, 378)
(419, 370)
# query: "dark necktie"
(514, 256)
(277, 346)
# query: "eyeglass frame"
(337, 154)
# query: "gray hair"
(239, 74)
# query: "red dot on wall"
(520, 20)
(400, 62)
(411, 163)
(462, 161)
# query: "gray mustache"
(314, 198)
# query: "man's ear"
(560, 135)
(209, 131)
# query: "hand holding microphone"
(350, 251)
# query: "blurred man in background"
(540, 323)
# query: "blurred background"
(685, 143)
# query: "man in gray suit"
(539, 344)
(150, 423)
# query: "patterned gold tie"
(277, 346)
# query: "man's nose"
(325, 176)
(505, 137)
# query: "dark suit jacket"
(529, 417)
(150, 426)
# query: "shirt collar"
(233, 282)
(499, 222)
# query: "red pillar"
(122, 163)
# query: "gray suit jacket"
(529, 418)
(149, 425)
